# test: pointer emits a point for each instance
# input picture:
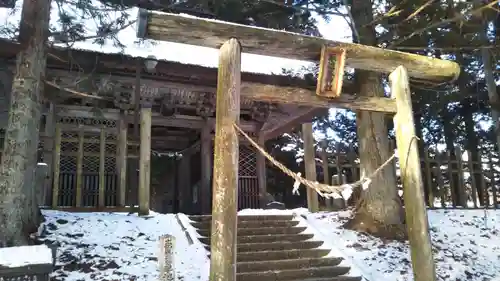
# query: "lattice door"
(67, 169)
(91, 163)
(248, 184)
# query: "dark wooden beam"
(179, 121)
(300, 96)
(268, 42)
(286, 125)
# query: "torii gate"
(231, 39)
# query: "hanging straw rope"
(322, 189)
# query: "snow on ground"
(119, 246)
(25, 255)
(466, 246)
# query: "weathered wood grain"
(268, 42)
(225, 177)
(411, 178)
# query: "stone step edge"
(326, 251)
(298, 271)
(335, 261)
(336, 278)
(199, 218)
(306, 236)
(269, 228)
(196, 224)
(320, 243)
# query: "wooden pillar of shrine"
(145, 158)
(261, 172)
(310, 166)
(326, 171)
(121, 158)
(184, 184)
(206, 169)
(48, 147)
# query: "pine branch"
(460, 17)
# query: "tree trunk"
(18, 205)
(491, 86)
(472, 145)
(449, 137)
(380, 211)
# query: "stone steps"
(286, 264)
(259, 231)
(246, 218)
(266, 238)
(206, 224)
(274, 248)
(293, 274)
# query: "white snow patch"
(466, 246)
(120, 246)
(25, 255)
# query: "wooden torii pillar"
(268, 42)
(226, 153)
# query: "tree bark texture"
(226, 153)
(18, 208)
(381, 206)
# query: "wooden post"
(79, 169)
(121, 159)
(460, 186)
(102, 168)
(184, 183)
(326, 172)
(430, 185)
(56, 158)
(48, 153)
(226, 153)
(310, 165)
(145, 159)
(411, 178)
(474, 183)
(166, 256)
(206, 168)
(261, 172)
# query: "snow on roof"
(25, 255)
(183, 53)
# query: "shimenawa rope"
(322, 189)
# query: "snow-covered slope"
(466, 246)
(104, 246)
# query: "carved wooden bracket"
(168, 107)
(260, 111)
(123, 100)
(205, 105)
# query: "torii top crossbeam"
(269, 42)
